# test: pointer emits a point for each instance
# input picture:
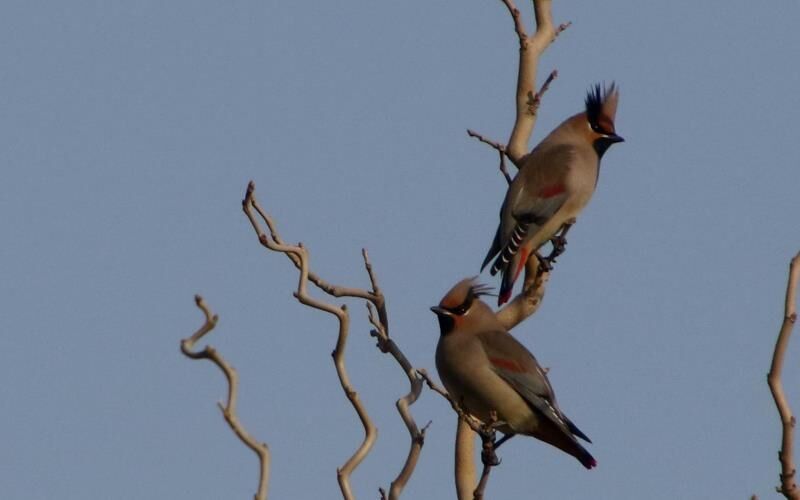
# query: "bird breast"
(468, 377)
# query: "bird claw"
(559, 243)
(546, 264)
(489, 457)
(559, 246)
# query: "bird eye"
(461, 310)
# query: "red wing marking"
(550, 191)
(506, 364)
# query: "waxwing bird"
(554, 183)
(485, 369)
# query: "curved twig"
(788, 485)
(387, 345)
(299, 256)
(229, 409)
(378, 317)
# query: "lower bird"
(487, 370)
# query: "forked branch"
(533, 108)
(378, 317)
(299, 256)
(388, 346)
(229, 409)
(788, 485)
(530, 49)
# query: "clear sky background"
(129, 131)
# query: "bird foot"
(489, 457)
(545, 263)
(559, 243)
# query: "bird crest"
(464, 293)
(601, 107)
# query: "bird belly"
(489, 393)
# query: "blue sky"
(130, 130)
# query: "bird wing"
(540, 188)
(535, 195)
(519, 368)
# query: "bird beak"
(614, 138)
(439, 311)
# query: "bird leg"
(488, 455)
(502, 440)
(490, 442)
(559, 242)
(545, 265)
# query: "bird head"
(601, 109)
(459, 303)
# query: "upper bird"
(554, 183)
(485, 369)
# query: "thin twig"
(488, 455)
(387, 345)
(229, 409)
(500, 148)
(299, 256)
(788, 485)
(535, 100)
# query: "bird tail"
(493, 250)
(584, 457)
(578, 451)
(510, 261)
(574, 429)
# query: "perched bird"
(554, 183)
(485, 369)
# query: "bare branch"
(250, 203)
(299, 256)
(488, 455)
(788, 485)
(535, 100)
(387, 345)
(530, 48)
(229, 409)
(464, 462)
(379, 318)
(500, 148)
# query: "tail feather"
(507, 283)
(585, 458)
(517, 237)
(511, 271)
(493, 250)
(574, 429)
